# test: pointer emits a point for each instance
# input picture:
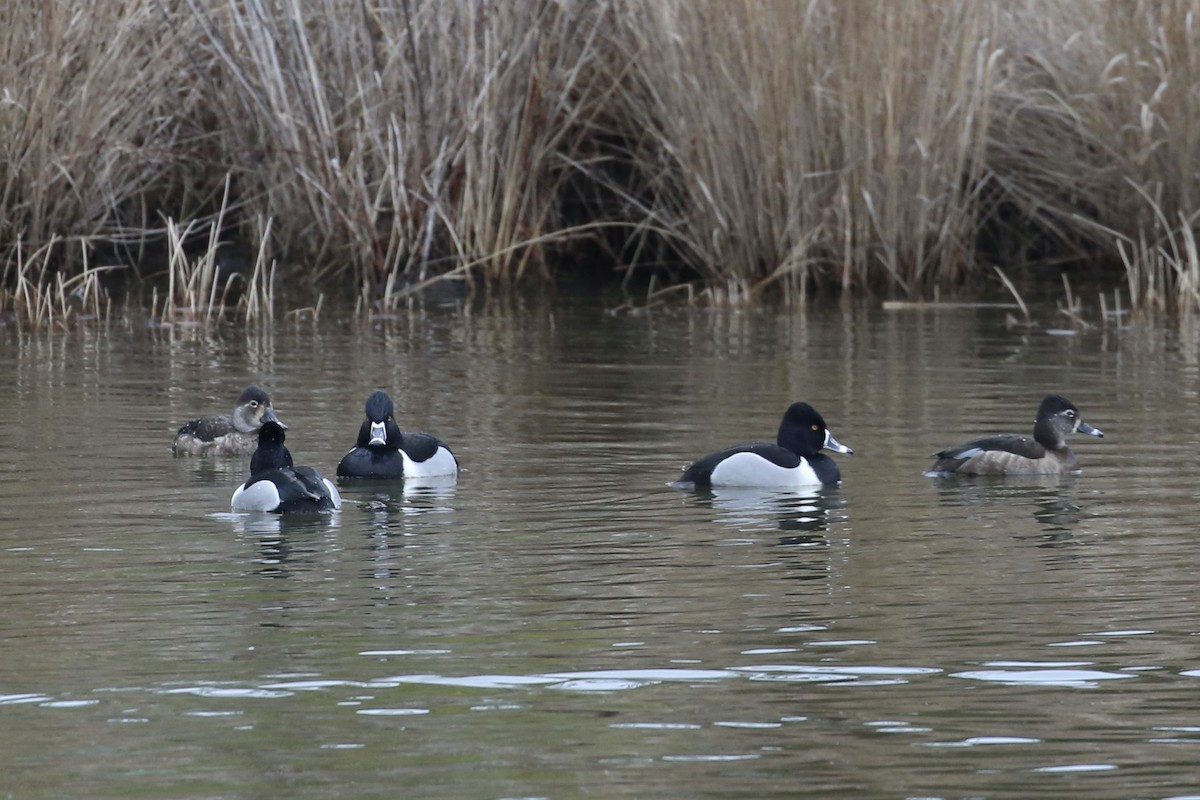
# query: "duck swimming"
(383, 451)
(277, 485)
(794, 460)
(1045, 453)
(233, 434)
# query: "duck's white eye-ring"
(254, 404)
(1070, 414)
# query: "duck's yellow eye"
(816, 427)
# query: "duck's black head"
(1056, 417)
(379, 406)
(803, 432)
(379, 429)
(271, 454)
(253, 409)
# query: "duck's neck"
(271, 457)
(1047, 436)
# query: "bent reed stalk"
(776, 147)
(52, 299)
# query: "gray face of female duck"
(1056, 418)
(253, 409)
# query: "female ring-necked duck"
(276, 484)
(383, 451)
(1013, 454)
(795, 459)
(228, 434)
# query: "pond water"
(561, 623)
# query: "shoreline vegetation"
(196, 156)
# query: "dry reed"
(816, 141)
(42, 298)
(758, 147)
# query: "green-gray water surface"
(562, 624)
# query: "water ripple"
(1062, 677)
(227, 692)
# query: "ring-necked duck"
(383, 451)
(1013, 454)
(275, 484)
(228, 434)
(795, 459)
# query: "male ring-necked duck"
(383, 451)
(276, 484)
(228, 434)
(795, 459)
(1046, 453)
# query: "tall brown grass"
(409, 141)
(41, 298)
(740, 148)
(198, 290)
(1097, 141)
(816, 141)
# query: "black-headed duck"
(793, 460)
(276, 484)
(384, 451)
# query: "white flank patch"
(441, 463)
(333, 494)
(261, 496)
(751, 469)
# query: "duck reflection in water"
(1052, 501)
(287, 544)
(390, 499)
(805, 514)
(799, 521)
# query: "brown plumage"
(1045, 453)
(228, 434)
